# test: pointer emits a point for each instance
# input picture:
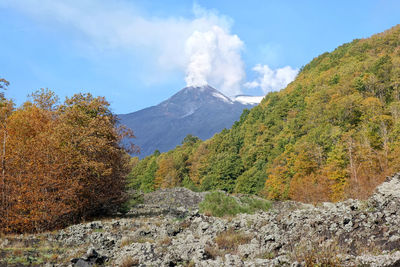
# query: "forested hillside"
(332, 134)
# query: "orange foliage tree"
(61, 163)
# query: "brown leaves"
(61, 163)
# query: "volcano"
(200, 111)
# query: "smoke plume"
(213, 57)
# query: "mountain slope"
(333, 133)
(200, 111)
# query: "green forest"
(332, 134)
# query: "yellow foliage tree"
(60, 163)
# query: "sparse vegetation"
(317, 253)
(166, 241)
(227, 242)
(129, 262)
(267, 255)
(126, 241)
(230, 240)
(30, 254)
(144, 240)
(189, 264)
(135, 197)
(220, 204)
(212, 252)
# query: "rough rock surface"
(349, 233)
(175, 197)
(175, 202)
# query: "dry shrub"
(144, 240)
(266, 255)
(54, 258)
(310, 189)
(212, 252)
(364, 186)
(129, 261)
(227, 242)
(189, 264)
(185, 224)
(126, 241)
(317, 253)
(17, 252)
(230, 240)
(166, 241)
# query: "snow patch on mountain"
(248, 100)
(224, 98)
(190, 112)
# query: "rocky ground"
(167, 230)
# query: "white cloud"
(272, 80)
(201, 46)
(214, 58)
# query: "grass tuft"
(227, 242)
(317, 253)
(129, 261)
(231, 239)
(219, 204)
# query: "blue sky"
(138, 53)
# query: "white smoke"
(270, 80)
(214, 58)
(201, 46)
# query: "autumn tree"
(64, 162)
(6, 108)
(167, 175)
